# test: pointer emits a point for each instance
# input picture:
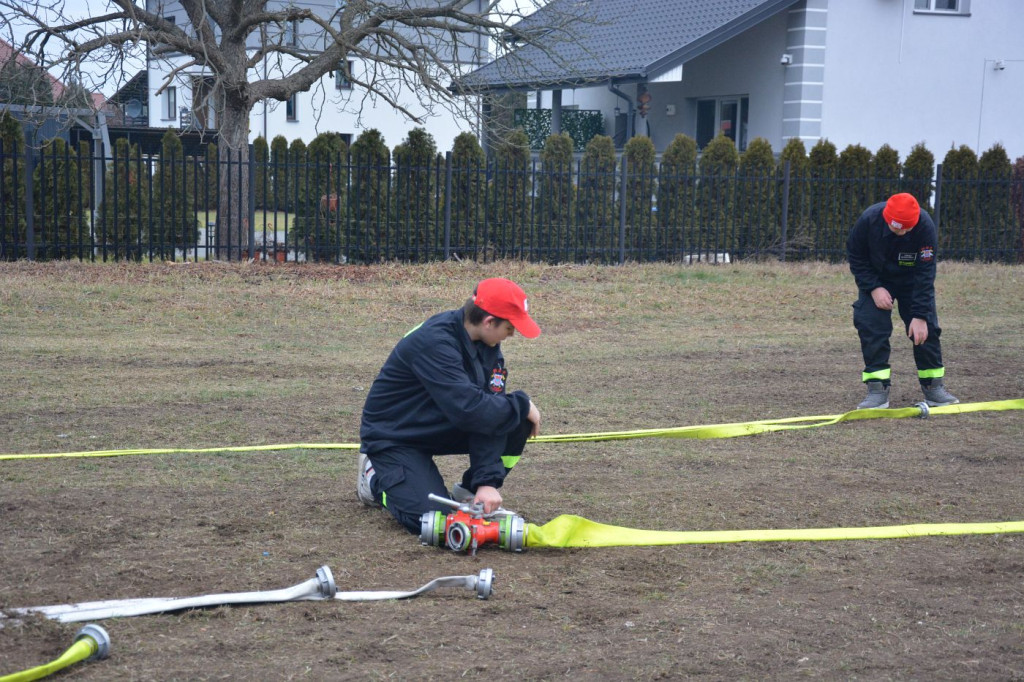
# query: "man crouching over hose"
(442, 392)
(891, 250)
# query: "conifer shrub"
(919, 174)
(554, 214)
(173, 225)
(960, 215)
(12, 188)
(823, 201)
(123, 213)
(416, 205)
(260, 177)
(758, 201)
(643, 241)
(598, 225)
(797, 237)
(855, 190)
(677, 180)
(511, 196)
(370, 161)
(996, 230)
(321, 211)
(716, 193)
(469, 237)
(885, 173)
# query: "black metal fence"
(58, 205)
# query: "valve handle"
(474, 510)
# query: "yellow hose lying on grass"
(91, 642)
(731, 430)
(575, 531)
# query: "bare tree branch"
(408, 52)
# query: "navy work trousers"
(404, 476)
(874, 326)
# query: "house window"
(342, 76)
(170, 106)
(726, 115)
(961, 7)
(291, 32)
(291, 108)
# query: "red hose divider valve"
(468, 528)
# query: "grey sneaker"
(936, 394)
(363, 490)
(878, 396)
(460, 494)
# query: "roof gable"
(619, 40)
(8, 52)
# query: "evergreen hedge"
(362, 205)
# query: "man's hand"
(534, 416)
(882, 298)
(489, 497)
(918, 331)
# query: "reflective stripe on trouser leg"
(510, 461)
(936, 373)
(880, 375)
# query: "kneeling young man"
(442, 392)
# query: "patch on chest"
(498, 376)
(907, 258)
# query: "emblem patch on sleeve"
(497, 383)
(927, 253)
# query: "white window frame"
(341, 82)
(291, 108)
(742, 104)
(170, 104)
(960, 8)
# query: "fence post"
(30, 222)
(785, 207)
(622, 211)
(447, 204)
(252, 205)
(938, 194)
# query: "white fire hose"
(318, 588)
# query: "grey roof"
(620, 40)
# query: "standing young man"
(891, 250)
(442, 392)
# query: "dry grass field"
(97, 357)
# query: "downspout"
(630, 110)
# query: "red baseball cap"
(901, 211)
(503, 298)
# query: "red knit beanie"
(901, 211)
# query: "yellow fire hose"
(575, 531)
(91, 642)
(731, 430)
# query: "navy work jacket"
(437, 387)
(906, 264)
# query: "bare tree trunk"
(232, 237)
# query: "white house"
(871, 72)
(331, 105)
